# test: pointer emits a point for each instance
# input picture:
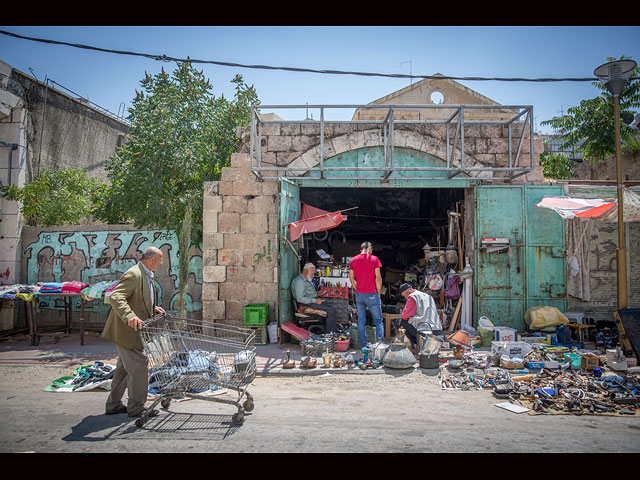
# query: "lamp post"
(614, 76)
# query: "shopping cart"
(189, 358)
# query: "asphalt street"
(324, 411)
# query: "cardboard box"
(589, 361)
(512, 349)
(505, 334)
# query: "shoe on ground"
(121, 409)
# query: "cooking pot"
(380, 351)
(399, 356)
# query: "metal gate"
(528, 265)
(289, 260)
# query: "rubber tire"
(165, 402)
(248, 405)
(139, 423)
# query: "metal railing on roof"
(455, 121)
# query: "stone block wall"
(486, 145)
(240, 253)
(603, 272)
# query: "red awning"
(314, 219)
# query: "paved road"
(382, 412)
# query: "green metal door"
(499, 276)
(545, 251)
(289, 260)
(532, 271)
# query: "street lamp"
(614, 76)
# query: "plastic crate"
(355, 341)
(255, 314)
(262, 335)
(316, 348)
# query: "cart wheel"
(165, 402)
(248, 405)
(238, 418)
(139, 422)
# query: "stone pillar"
(240, 254)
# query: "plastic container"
(575, 360)
(342, 345)
(255, 314)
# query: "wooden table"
(388, 317)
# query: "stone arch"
(420, 141)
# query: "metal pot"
(380, 350)
(429, 361)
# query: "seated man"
(420, 308)
(305, 293)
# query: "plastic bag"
(453, 288)
(544, 317)
(485, 323)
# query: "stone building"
(412, 158)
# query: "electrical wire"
(165, 58)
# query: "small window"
(436, 97)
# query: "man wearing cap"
(419, 309)
(305, 294)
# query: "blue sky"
(110, 80)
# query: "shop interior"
(418, 235)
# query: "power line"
(165, 58)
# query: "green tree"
(557, 165)
(57, 197)
(589, 127)
(181, 136)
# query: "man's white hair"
(308, 265)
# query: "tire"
(139, 422)
(248, 405)
(165, 402)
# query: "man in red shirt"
(366, 280)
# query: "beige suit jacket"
(129, 299)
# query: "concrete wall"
(60, 254)
(50, 129)
(63, 131)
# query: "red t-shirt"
(364, 269)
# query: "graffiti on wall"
(103, 255)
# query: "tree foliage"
(181, 137)
(589, 128)
(57, 197)
(557, 165)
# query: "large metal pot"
(399, 356)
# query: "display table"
(68, 314)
